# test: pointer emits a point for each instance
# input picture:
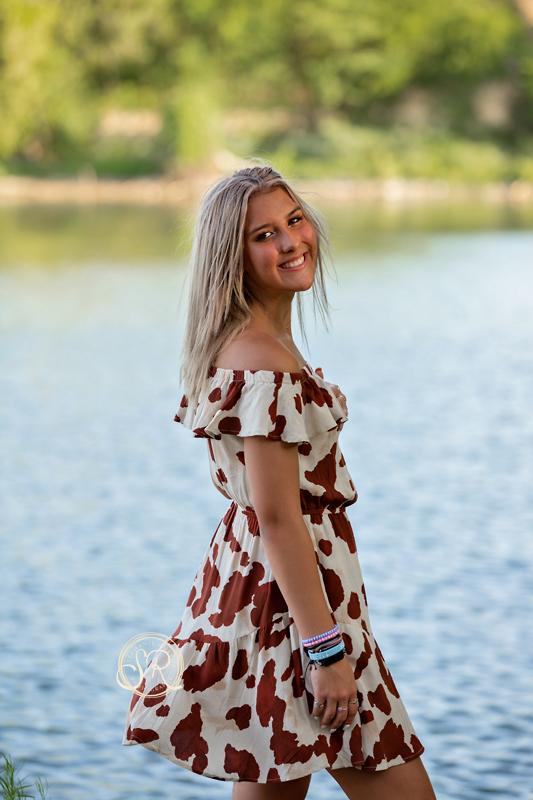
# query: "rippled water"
(107, 505)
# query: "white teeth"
(295, 263)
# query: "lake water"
(107, 505)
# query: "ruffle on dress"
(288, 406)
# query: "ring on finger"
(319, 705)
(352, 701)
(341, 709)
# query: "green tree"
(348, 55)
(64, 62)
(41, 86)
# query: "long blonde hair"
(220, 303)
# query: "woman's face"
(279, 245)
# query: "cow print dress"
(243, 713)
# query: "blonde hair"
(220, 303)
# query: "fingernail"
(346, 727)
(323, 726)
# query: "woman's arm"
(272, 468)
(273, 474)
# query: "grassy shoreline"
(169, 191)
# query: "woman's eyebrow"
(271, 224)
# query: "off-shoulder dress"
(243, 712)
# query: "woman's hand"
(335, 693)
(336, 391)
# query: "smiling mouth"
(295, 263)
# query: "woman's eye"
(265, 235)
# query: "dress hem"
(360, 765)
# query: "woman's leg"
(285, 790)
(405, 782)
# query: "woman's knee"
(285, 790)
(407, 781)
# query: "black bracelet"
(325, 662)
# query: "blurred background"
(410, 88)
(411, 125)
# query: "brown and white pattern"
(244, 710)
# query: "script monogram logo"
(154, 656)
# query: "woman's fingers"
(341, 717)
(321, 710)
(335, 695)
(336, 391)
(334, 715)
(340, 396)
(329, 715)
(353, 708)
(318, 708)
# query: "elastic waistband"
(315, 512)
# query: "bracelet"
(325, 662)
(324, 645)
(321, 637)
(330, 651)
(325, 657)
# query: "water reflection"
(107, 506)
(54, 234)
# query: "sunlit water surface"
(107, 505)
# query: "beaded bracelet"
(321, 637)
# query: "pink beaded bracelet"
(322, 637)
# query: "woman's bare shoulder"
(255, 350)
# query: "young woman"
(283, 676)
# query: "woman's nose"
(288, 241)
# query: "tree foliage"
(64, 62)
